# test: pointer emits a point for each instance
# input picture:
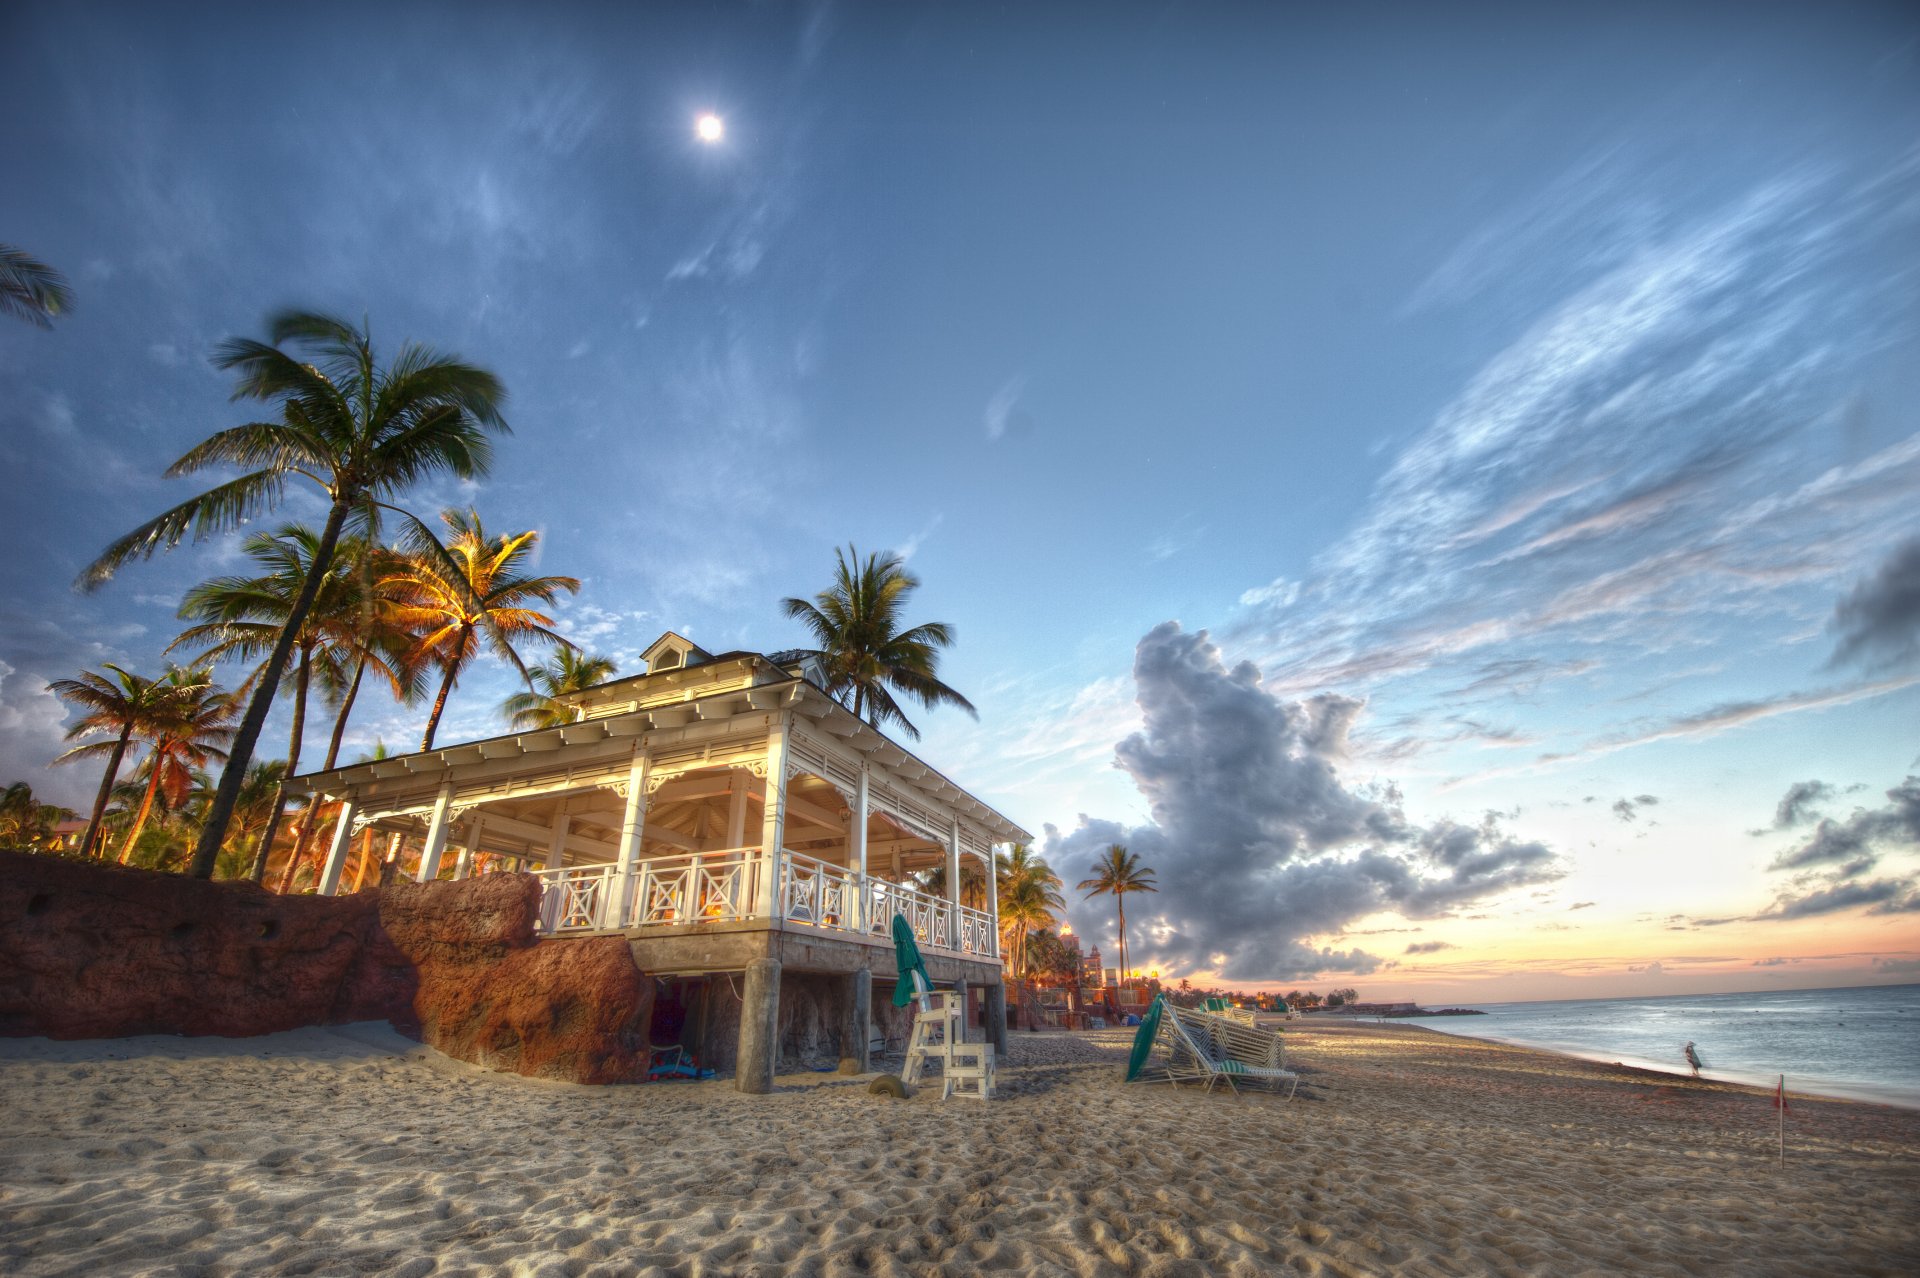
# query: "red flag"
(1780, 1096)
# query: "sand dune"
(354, 1151)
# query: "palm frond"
(217, 510)
(30, 289)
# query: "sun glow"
(710, 128)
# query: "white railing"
(978, 934)
(576, 897)
(814, 892)
(698, 887)
(930, 917)
(743, 883)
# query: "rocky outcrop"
(101, 951)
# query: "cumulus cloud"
(1581, 905)
(1898, 966)
(1774, 962)
(1259, 842)
(1430, 947)
(1835, 842)
(1654, 968)
(1878, 621)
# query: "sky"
(1438, 483)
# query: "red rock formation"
(101, 951)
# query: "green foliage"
(867, 654)
(451, 597)
(30, 289)
(361, 433)
(1119, 874)
(565, 671)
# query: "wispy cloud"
(1004, 409)
(1640, 472)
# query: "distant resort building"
(728, 817)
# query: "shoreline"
(1892, 1097)
(1407, 1149)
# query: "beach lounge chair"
(1199, 1050)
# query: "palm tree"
(197, 721)
(25, 822)
(973, 883)
(241, 617)
(868, 657)
(472, 588)
(124, 705)
(254, 812)
(361, 432)
(1117, 875)
(31, 290)
(1029, 893)
(566, 670)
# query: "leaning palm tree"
(566, 670)
(454, 595)
(867, 654)
(31, 290)
(1118, 874)
(1029, 893)
(124, 705)
(241, 618)
(196, 724)
(362, 433)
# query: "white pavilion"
(723, 813)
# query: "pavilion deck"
(747, 886)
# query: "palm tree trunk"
(146, 806)
(106, 790)
(1120, 904)
(366, 858)
(220, 814)
(302, 678)
(439, 704)
(299, 853)
(340, 720)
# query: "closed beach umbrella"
(1143, 1039)
(906, 958)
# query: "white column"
(736, 808)
(632, 827)
(953, 886)
(993, 901)
(337, 850)
(436, 845)
(773, 824)
(557, 843)
(463, 868)
(857, 852)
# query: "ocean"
(1861, 1043)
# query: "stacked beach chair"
(939, 1034)
(1208, 1048)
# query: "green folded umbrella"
(906, 958)
(1143, 1039)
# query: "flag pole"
(1781, 1097)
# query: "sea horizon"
(1859, 1042)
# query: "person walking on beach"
(1693, 1058)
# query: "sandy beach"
(354, 1151)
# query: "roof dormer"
(674, 652)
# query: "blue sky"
(1519, 392)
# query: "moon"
(710, 128)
